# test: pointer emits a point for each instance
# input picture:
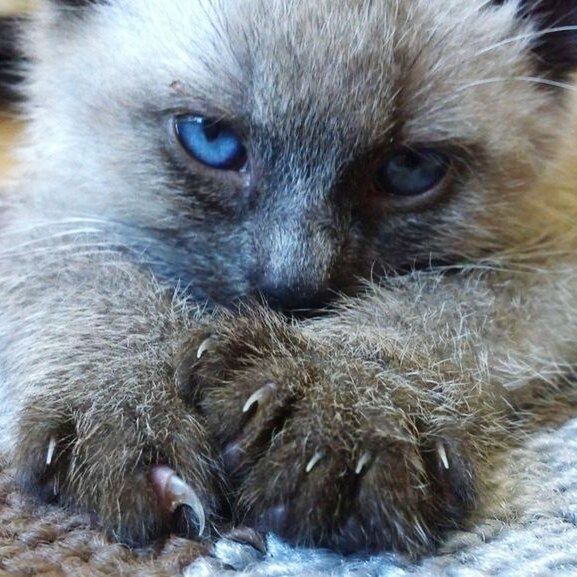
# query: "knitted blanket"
(527, 529)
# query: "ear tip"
(11, 61)
(77, 3)
(556, 47)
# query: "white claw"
(206, 346)
(443, 455)
(51, 451)
(319, 456)
(258, 397)
(179, 493)
(363, 462)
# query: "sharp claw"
(51, 451)
(258, 397)
(179, 493)
(363, 462)
(443, 455)
(319, 456)
(205, 347)
(173, 492)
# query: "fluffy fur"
(376, 421)
(528, 528)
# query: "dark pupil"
(211, 130)
(410, 173)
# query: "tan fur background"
(14, 6)
(9, 130)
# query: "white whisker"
(526, 36)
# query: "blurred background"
(12, 6)
(9, 77)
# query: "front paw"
(328, 451)
(143, 467)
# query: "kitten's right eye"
(210, 142)
(413, 172)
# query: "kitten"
(374, 161)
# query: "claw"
(258, 397)
(363, 462)
(205, 347)
(179, 493)
(319, 456)
(175, 492)
(443, 455)
(51, 451)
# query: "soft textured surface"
(529, 529)
(47, 541)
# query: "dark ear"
(556, 51)
(11, 61)
(76, 3)
(75, 6)
(74, 9)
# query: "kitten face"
(321, 94)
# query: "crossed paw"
(265, 425)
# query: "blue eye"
(210, 142)
(411, 172)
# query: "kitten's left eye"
(210, 142)
(413, 172)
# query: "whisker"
(429, 44)
(531, 79)
(51, 250)
(526, 36)
(56, 236)
(547, 82)
(530, 35)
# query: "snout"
(295, 297)
(297, 267)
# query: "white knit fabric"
(529, 530)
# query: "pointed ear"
(11, 61)
(76, 3)
(556, 46)
(75, 6)
(72, 10)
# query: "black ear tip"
(556, 45)
(76, 3)
(74, 9)
(11, 61)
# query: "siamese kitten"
(353, 181)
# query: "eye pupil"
(210, 142)
(411, 172)
(211, 131)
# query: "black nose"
(294, 299)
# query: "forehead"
(356, 58)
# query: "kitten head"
(290, 148)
